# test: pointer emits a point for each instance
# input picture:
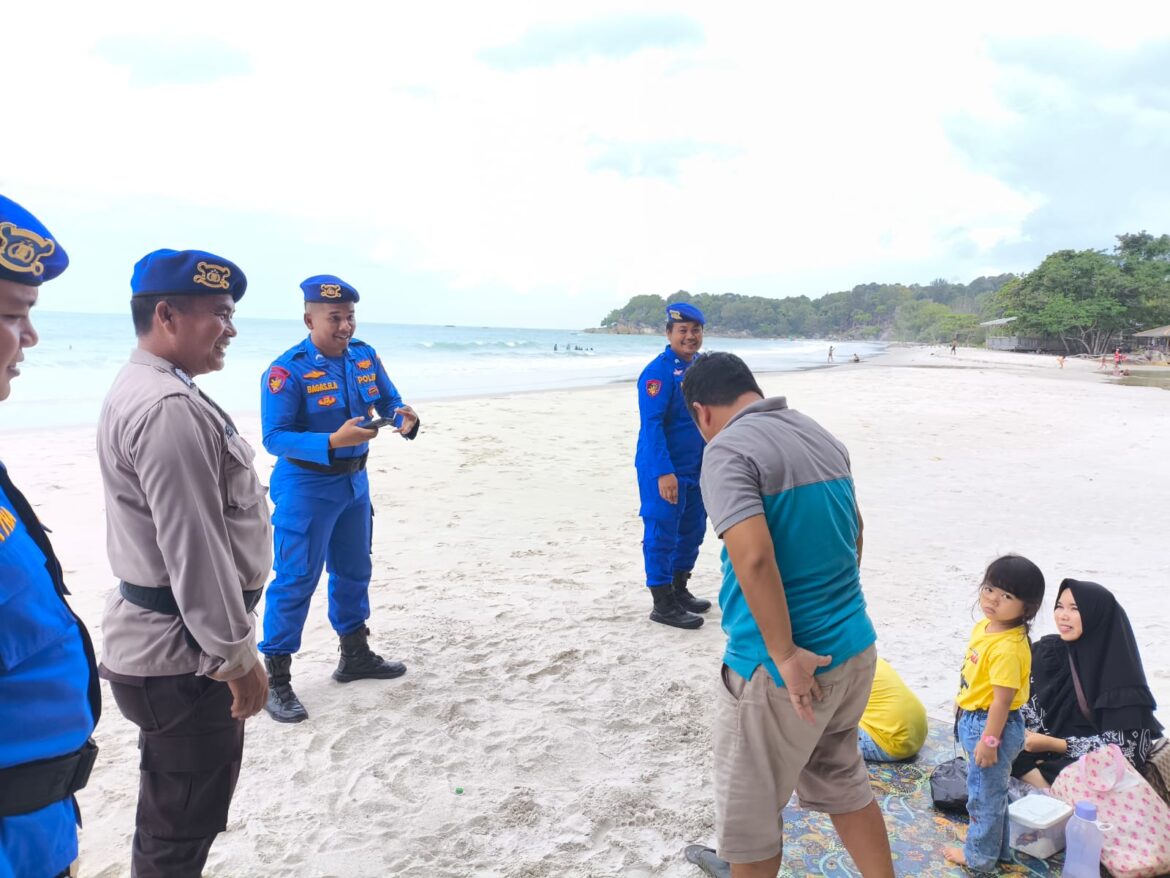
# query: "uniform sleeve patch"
(276, 379)
(364, 364)
(653, 387)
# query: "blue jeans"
(870, 751)
(987, 789)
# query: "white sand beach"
(508, 577)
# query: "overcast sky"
(536, 164)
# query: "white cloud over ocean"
(537, 164)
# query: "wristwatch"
(991, 740)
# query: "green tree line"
(1085, 300)
(936, 312)
(1091, 300)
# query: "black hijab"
(1053, 692)
(1108, 663)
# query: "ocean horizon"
(67, 374)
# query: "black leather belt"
(31, 786)
(345, 466)
(162, 600)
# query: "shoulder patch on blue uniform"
(277, 376)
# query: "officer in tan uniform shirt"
(188, 535)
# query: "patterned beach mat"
(918, 831)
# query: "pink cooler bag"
(1135, 822)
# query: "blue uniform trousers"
(673, 534)
(309, 533)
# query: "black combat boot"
(283, 704)
(683, 595)
(359, 662)
(668, 611)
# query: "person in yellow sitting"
(893, 726)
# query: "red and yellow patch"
(326, 400)
(321, 386)
(653, 387)
(365, 364)
(316, 373)
(276, 379)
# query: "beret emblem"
(331, 291)
(212, 275)
(22, 250)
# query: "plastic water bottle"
(1082, 843)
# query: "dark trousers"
(191, 751)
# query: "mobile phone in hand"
(376, 423)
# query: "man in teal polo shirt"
(799, 661)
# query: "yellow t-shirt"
(1000, 659)
(894, 717)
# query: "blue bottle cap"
(1086, 810)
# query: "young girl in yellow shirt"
(993, 685)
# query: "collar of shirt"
(668, 354)
(146, 358)
(771, 404)
(315, 356)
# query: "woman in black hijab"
(1115, 705)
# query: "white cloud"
(763, 141)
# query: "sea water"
(65, 377)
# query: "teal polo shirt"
(770, 460)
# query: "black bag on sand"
(948, 785)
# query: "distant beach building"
(1158, 339)
(999, 340)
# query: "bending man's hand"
(668, 488)
(798, 670)
(249, 692)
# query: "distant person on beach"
(993, 686)
(188, 535)
(1095, 641)
(50, 700)
(1060, 361)
(800, 659)
(313, 402)
(830, 353)
(668, 461)
(893, 726)
(856, 359)
(954, 345)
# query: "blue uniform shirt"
(306, 396)
(668, 440)
(48, 686)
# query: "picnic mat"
(918, 832)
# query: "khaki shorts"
(764, 751)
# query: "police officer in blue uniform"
(668, 460)
(314, 400)
(49, 694)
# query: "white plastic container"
(1036, 825)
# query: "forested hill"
(937, 312)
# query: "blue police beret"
(682, 311)
(187, 273)
(328, 288)
(28, 253)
